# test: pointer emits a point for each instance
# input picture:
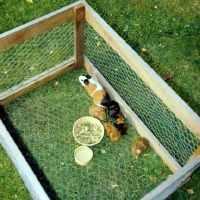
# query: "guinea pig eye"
(86, 81)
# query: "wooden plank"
(133, 119)
(36, 81)
(79, 17)
(147, 74)
(36, 27)
(29, 178)
(171, 184)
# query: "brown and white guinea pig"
(95, 90)
(120, 123)
(113, 133)
(97, 112)
(139, 146)
(194, 155)
(113, 109)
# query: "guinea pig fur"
(95, 90)
(97, 112)
(113, 109)
(112, 131)
(139, 146)
(120, 123)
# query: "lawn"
(47, 137)
(164, 34)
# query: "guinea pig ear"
(88, 76)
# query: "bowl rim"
(80, 162)
(88, 150)
(99, 123)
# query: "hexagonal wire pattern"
(169, 130)
(41, 124)
(36, 55)
(41, 121)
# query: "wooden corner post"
(79, 17)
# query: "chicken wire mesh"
(36, 55)
(167, 128)
(41, 121)
(41, 124)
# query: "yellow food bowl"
(83, 155)
(88, 131)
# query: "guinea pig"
(97, 112)
(95, 90)
(139, 146)
(113, 109)
(194, 155)
(112, 131)
(120, 123)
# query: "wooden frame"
(79, 12)
(79, 18)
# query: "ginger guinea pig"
(97, 112)
(112, 131)
(95, 90)
(139, 146)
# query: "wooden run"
(147, 74)
(79, 12)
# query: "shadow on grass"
(28, 156)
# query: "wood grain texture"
(79, 17)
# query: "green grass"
(170, 34)
(17, 12)
(155, 115)
(36, 55)
(45, 128)
(11, 184)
